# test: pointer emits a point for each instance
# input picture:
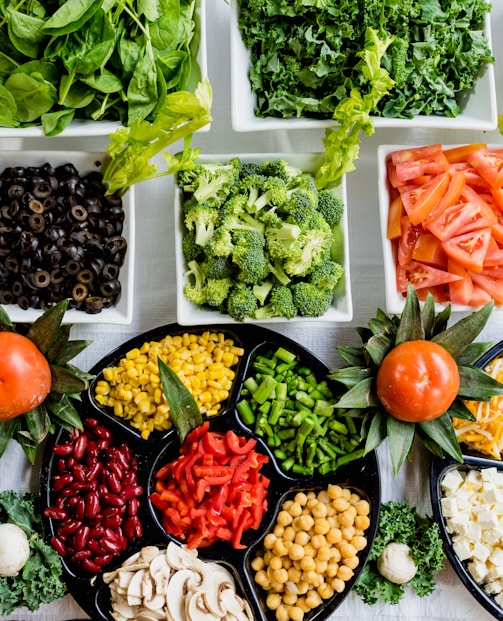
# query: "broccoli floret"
(279, 240)
(248, 254)
(326, 275)
(203, 219)
(280, 169)
(220, 244)
(249, 168)
(209, 184)
(262, 290)
(310, 300)
(311, 248)
(304, 183)
(217, 266)
(241, 303)
(330, 206)
(240, 222)
(216, 290)
(203, 290)
(191, 250)
(194, 289)
(276, 268)
(262, 191)
(298, 207)
(280, 304)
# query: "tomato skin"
(25, 375)
(417, 381)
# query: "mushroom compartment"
(174, 583)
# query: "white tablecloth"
(155, 298)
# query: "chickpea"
(332, 569)
(324, 553)
(318, 541)
(326, 590)
(321, 526)
(262, 579)
(313, 599)
(296, 613)
(314, 578)
(279, 547)
(340, 504)
(279, 575)
(284, 518)
(347, 517)
(344, 573)
(269, 540)
(319, 510)
(289, 598)
(301, 603)
(289, 534)
(295, 509)
(294, 574)
(301, 498)
(346, 493)
(359, 542)
(334, 491)
(321, 566)
(273, 601)
(276, 562)
(324, 497)
(258, 563)
(296, 552)
(334, 535)
(337, 585)
(278, 531)
(307, 564)
(352, 562)
(304, 522)
(348, 532)
(362, 507)
(282, 613)
(302, 537)
(362, 522)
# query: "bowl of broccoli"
(256, 241)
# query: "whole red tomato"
(417, 381)
(25, 375)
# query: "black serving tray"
(439, 468)
(362, 476)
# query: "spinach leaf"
(71, 16)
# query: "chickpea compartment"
(312, 550)
(204, 362)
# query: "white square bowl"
(395, 301)
(85, 127)
(478, 108)
(84, 162)
(192, 314)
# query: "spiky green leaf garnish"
(379, 338)
(53, 340)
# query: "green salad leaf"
(400, 523)
(40, 580)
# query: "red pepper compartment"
(361, 476)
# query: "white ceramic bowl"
(479, 110)
(395, 301)
(83, 127)
(84, 162)
(192, 314)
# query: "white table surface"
(155, 298)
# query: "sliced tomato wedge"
(456, 155)
(492, 286)
(407, 241)
(461, 218)
(420, 200)
(420, 275)
(494, 257)
(460, 291)
(480, 297)
(428, 249)
(469, 249)
(452, 195)
(395, 214)
(417, 162)
(489, 164)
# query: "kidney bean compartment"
(95, 498)
(60, 237)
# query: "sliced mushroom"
(196, 609)
(134, 590)
(181, 557)
(176, 594)
(161, 572)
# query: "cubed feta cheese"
(481, 552)
(478, 570)
(449, 506)
(451, 481)
(462, 548)
(487, 519)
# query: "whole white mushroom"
(14, 549)
(396, 564)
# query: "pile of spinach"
(92, 59)
(39, 582)
(305, 53)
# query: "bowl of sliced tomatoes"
(441, 217)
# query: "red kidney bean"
(91, 566)
(59, 545)
(63, 449)
(132, 506)
(96, 498)
(55, 513)
(80, 446)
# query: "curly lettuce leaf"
(400, 523)
(40, 580)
